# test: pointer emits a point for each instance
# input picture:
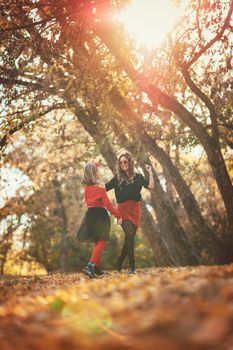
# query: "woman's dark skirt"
(95, 225)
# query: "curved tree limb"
(214, 40)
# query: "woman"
(127, 185)
(95, 226)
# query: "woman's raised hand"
(148, 168)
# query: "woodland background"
(75, 87)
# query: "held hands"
(119, 221)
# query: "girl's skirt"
(95, 225)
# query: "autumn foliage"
(163, 308)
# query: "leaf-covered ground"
(164, 309)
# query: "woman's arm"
(151, 184)
(111, 184)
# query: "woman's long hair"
(123, 176)
(90, 174)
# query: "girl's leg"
(97, 251)
(95, 259)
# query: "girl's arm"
(108, 205)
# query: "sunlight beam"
(149, 20)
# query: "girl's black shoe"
(89, 271)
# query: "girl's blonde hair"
(90, 174)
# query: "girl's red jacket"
(96, 196)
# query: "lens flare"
(149, 20)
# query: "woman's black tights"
(128, 247)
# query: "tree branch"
(204, 98)
(19, 126)
(226, 125)
(11, 81)
(216, 38)
(229, 142)
(53, 18)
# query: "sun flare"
(149, 20)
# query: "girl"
(95, 226)
(127, 185)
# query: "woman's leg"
(128, 247)
(124, 251)
(131, 236)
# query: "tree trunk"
(210, 145)
(162, 254)
(63, 219)
(168, 183)
(5, 246)
(207, 244)
(217, 163)
(174, 235)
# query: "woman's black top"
(127, 191)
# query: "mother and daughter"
(95, 226)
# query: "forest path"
(158, 308)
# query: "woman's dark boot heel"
(118, 265)
(132, 269)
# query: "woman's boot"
(119, 264)
(132, 269)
